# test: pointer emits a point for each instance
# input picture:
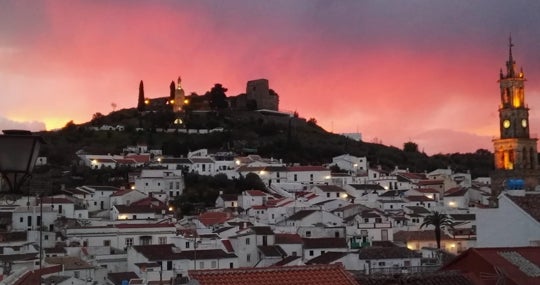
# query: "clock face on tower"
(524, 123)
(506, 124)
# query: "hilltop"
(270, 134)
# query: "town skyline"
(415, 71)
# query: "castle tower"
(179, 96)
(515, 152)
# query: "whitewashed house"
(161, 180)
(350, 163)
(122, 236)
(516, 222)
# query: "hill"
(269, 134)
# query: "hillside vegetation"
(292, 139)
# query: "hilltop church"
(515, 152)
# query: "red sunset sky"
(422, 71)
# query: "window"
(107, 242)
(187, 244)
(382, 263)
(76, 274)
(231, 265)
(308, 233)
(248, 257)
(129, 242)
(247, 241)
(311, 253)
(162, 240)
(169, 265)
(170, 185)
(29, 221)
(46, 237)
(177, 185)
(145, 240)
(201, 265)
(366, 220)
(21, 220)
(327, 195)
(296, 177)
(214, 264)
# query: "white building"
(516, 222)
(162, 180)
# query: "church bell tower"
(515, 152)
(515, 149)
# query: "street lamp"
(19, 150)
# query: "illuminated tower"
(179, 96)
(515, 152)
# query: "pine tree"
(141, 104)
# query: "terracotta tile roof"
(272, 250)
(418, 209)
(134, 226)
(169, 252)
(426, 190)
(56, 200)
(176, 160)
(392, 193)
(202, 160)
(528, 203)
(141, 158)
(519, 265)
(137, 209)
(259, 207)
(367, 187)
(330, 188)
(327, 257)
(289, 275)
(307, 168)
(214, 218)
(69, 262)
(13, 236)
(430, 182)
(324, 243)
(456, 192)
(301, 215)
(288, 239)
(255, 193)
(262, 230)
(419, 198)
(227, 245)
(463, 217)
(395, 252)
(116, 278)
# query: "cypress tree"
(140, 104)
(172, 87)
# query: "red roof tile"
(214, 218)
(515, 265)
(288, 239)
(307, 168)
(255, 193)
(297, 275)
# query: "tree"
(172, 90)
(218, 99)
(141, 104)
(410, 147)
(440, 221)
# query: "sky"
(395, 71)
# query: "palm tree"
(439, 221)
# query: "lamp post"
(19, 150)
